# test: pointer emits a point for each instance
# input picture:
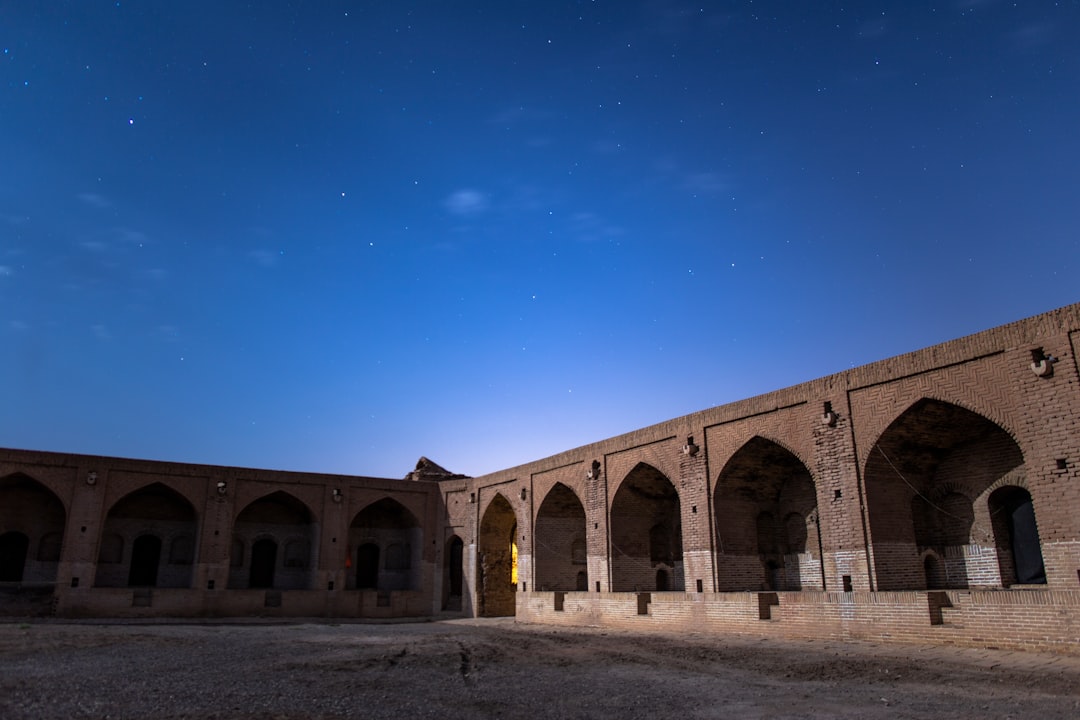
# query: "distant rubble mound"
(428, 470)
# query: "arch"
(922, 479)
(157, 513)
(766, 510)
(275, 520)
(560, 544)
(646, 532)
(13, 550)
(496, 561)
(453, 564)
(397, 538)
(1016, 536)
(29, 508)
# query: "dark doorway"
(1016, 535)
(367, 567)
(661, 581)
(1024, 537)
(263, 563)
(457, 547)
(145, 557)
(13, 547)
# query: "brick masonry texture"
(929, 497)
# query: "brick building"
(932, 496)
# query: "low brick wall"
(1015, 619)
(179, 603)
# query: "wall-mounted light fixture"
(593, 471)
(524, 494)
(690, 449)
(222, 487)
(91, 477)
(828, 416)
(1042, 364)
(336, 495)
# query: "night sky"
(334, 237)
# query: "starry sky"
(336, 236)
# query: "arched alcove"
(646, 533)
(928, 479)
(497, 560)
(559, 540)
(766, 511)
(139, 528)
(280, 531)
(32, 518)
(387, 541)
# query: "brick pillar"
(841, 522)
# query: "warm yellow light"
(513, 562)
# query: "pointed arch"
(497, 559)
(560, 548)
(646, 532)
(927, 479)
(281, 532)
(144, 523)
(387, 541)
(31, 510)
(766, 521)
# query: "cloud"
(5, 270)
(466, 202)
(94, 200)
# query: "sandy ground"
(496, 668)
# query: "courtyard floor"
(500, 669)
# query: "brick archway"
(766, 520)
(287, 522)
(31, 516)
(926, 482)
(139, 530)
(646, 532)
(497, 559)
(559, 547)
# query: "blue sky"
(337, 236)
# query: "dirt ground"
(499, 669)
